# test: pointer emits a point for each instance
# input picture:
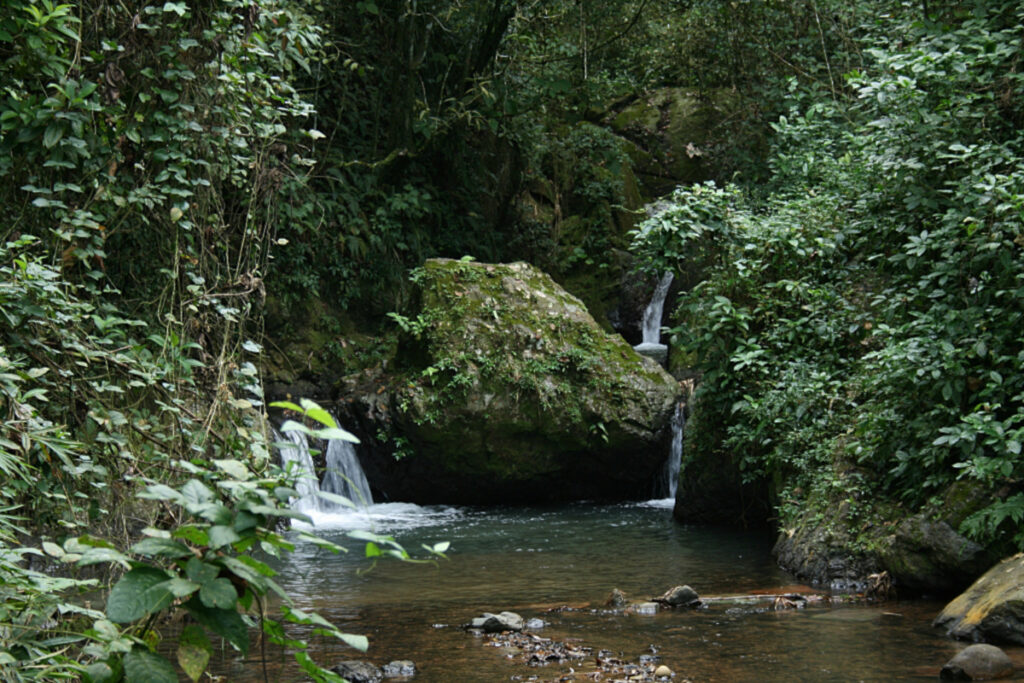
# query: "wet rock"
(496, 623)
(992, 608)
(398, 668)
(680, 596)
(663, 672)
(616, 599)
(535, 624)
(977, 663)
(358, 672)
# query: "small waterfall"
(302, 465)
(675, 454)
(655, 309)
(344, 475)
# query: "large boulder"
(509, 391)
(992, 609)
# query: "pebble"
(663, 672)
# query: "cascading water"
(296, 458)
(655, 309)
(651, 344)
(344, 475)
(675, 454)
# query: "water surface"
(531, 560)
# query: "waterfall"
(344, 475)
(298, 454)
(675, 454)
(655, 309)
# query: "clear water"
(530, 560)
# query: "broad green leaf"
(336, 499)
(178, 587)
(160, 547)
(130, 598)
(286, 405)
(101, 555)
(200, 571)
(335, 433)
(221, 536)
(234, 468)
(143, 666)
(227, 624)
(100, 672)
(194, 650)
(218, 593)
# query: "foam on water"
(379, 517)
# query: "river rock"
(510, 391)
(977, 663)
(496, 623)
(399, 668)
(358, 672)
(680, 596)
(663, 672)
(616, 599)
(992, 608)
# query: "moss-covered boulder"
(510, 391)
(992, 609)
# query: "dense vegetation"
(175, 173)
(858, 317)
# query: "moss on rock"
(509, 379)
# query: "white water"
(296, 458)
(655, 310)
(344, 476)
(670, 475)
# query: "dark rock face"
(992, 609)
(925, 555)
(358, 672)
(977, 663)
(821, 556)
(509, 391)
(921, 552)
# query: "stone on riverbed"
(680, 596)
(663, 672)
(358, 672)
(496, 623)
(977, 663)
(616, 599)
(399, 668)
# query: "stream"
(530, 560)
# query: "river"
(532, 560)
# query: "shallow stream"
(531, 560)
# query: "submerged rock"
(616, 599)
(358, 672)
(977, 663)
(992, 609)
(510, 391)
(399, 668)
(496, 623)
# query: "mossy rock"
(512, 385)
(992, 609)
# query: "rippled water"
(530, 560)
